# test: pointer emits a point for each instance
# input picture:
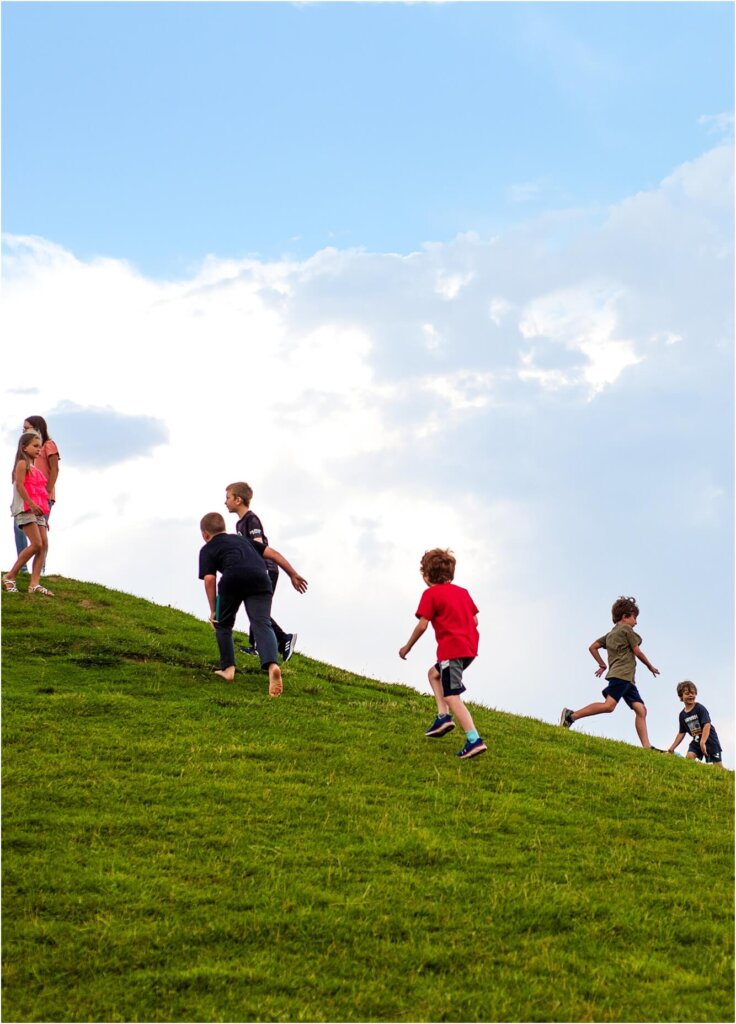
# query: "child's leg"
(20, 542)
(435, 681)
(258, 608)
(33, 534)
(600, 707)
(458, 709)
(229, 599)
(39, 558)
(640, 723)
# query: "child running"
(454, 618)
(623, 647)
(30, 508)
(243, 579)
(695, 721)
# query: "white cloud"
(584, 320)
(510, 398)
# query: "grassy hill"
(181, 849)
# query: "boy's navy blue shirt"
(692, 722)
(231, 554)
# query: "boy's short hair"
(241, 490)
(213, 522)
(686, 685)
(624, 606)
(438, 566)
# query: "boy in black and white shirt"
(238, 497)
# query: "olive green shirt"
(620, 644)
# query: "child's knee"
(433, 675)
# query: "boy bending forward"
(243, 579)
(454, 618)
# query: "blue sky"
(159, 132)
(453, 274)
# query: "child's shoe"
(472, 748)
(441, 725)
(249, 650)
(289, 646)
(566, 718)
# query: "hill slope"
(181, 849)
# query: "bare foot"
(228, 674)
(275, 682)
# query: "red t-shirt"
(451, 611)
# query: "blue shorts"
(714, 755)
(618, 688)
(451, 674)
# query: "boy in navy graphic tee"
(695, 722)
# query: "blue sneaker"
(473, 749)
(441, 725)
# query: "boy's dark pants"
(254, 590)
(273, 575)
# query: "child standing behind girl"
(30, 508)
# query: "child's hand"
(403, 651)
(653, 670)
(299, 583)
(213, 621)
(599, 671)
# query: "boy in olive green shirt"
(623, 647)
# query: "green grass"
(181, 849)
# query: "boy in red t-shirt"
(454, 617)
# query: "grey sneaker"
(566, 718)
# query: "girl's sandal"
(9, 586)
(40, 590)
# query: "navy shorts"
(714, 756)
(618, 688)
(451, 674)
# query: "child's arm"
(210, 589)
(53, 472)
(20, 483)
(417, 632)
(704, 737)
(594, 648)
(676, 743)
(298, 582)
(639, 653)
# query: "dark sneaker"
(473, 749)
(289, 646)
(441, 725)
(566, 718)
(658, 750)
(249, 650)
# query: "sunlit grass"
(181, 849)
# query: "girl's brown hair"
(438, 566)
(25, 440)
(39, 425)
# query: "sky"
(452, 275)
